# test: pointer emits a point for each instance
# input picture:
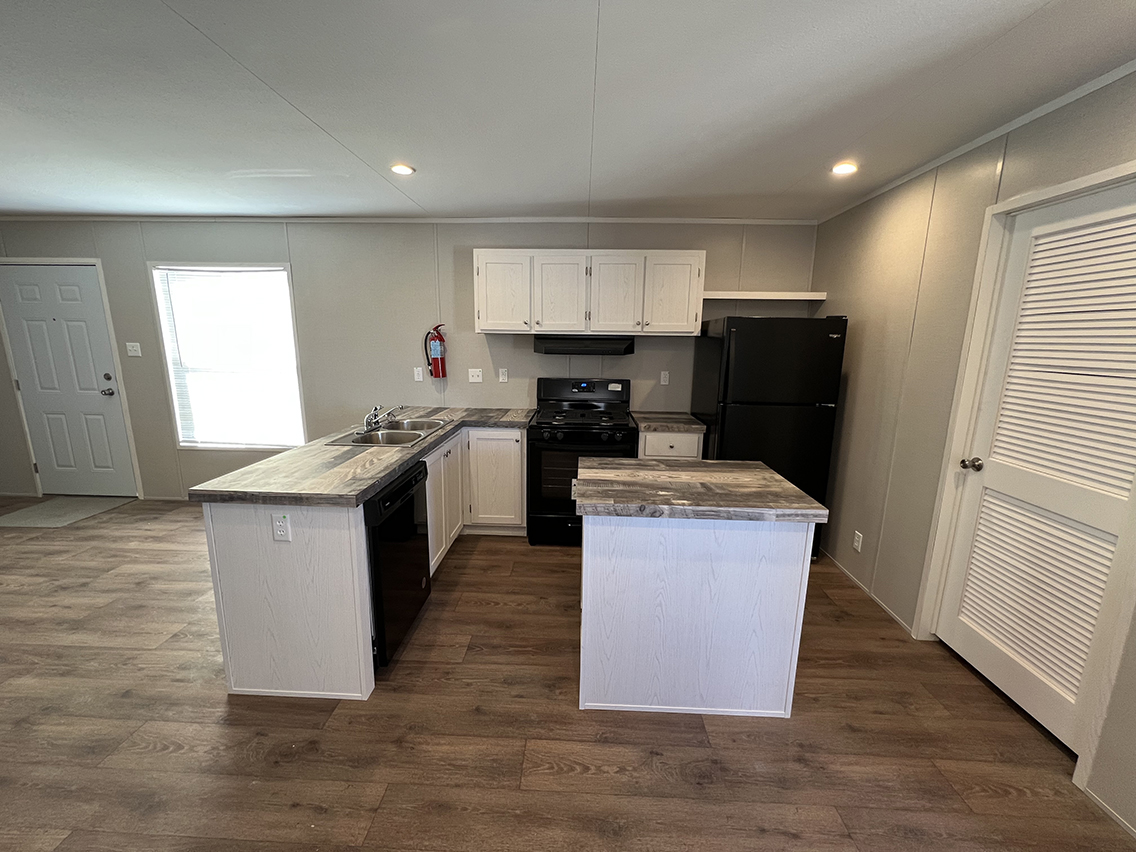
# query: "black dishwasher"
(399, 557)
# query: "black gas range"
(575, 418)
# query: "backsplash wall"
(364, 294)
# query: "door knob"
(106, 376)
(107, 391)
(974, 464)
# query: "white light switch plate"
(281, 528)
(857, 541)
(475, 375)
(665, 377)
(417, 374)
(134, 350)
(502, 375)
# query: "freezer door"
(784, 360)
(794, 440)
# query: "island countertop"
(691, 488)
(317, 474)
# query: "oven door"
(552, 517)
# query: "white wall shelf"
(766, 295)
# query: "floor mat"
(61, 511)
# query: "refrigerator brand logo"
(835, 335)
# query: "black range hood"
(571, 344)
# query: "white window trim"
(157, 311)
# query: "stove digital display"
(583, 387)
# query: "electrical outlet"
(134, 350)
(475, 375)
(857, 541)
(281, 528)
(665, 377)
(502, 375)
(417, 374)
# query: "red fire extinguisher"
(435, 346)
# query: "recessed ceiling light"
(402, 169)
(845, 168)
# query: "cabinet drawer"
(670, 444)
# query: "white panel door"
(559, 292)
(453, 467)
(504, 291)
(617, 293)
(496, 477)
(1039, 522)
(672, 293)
(63, 354)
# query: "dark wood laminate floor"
(116, 732)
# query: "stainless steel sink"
(389, 436)
(426, 424)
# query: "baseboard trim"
(18, 494)
(1111, 813)
(490, 529)
(876, 600)
(709, 711)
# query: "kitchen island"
(295, 615)
(694, 577)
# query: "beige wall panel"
(130, 294)
(48, 239)
(777, 257)
(215, 242)
(490, 352)
(16, 475)
(868, 260)
(964, 188)
(1112, 779)
(722, 244)
(365, 295)
(198, 466)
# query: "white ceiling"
(630, 108)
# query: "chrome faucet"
(376, 418)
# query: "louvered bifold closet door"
(1057, 433)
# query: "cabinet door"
(504, 291)
(453, 465)
(496, 477)
(436, 507)
(672, 300)
(617, 293)
(559, 291)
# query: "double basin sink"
(400, 433)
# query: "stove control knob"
(546, 434)
(618, 436)
(559, 436)
(605, 436)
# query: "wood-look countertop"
(691, 488)
(317, 474)
(667, 421)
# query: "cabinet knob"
(526, 322)
(672, 446)
(517, 440)
(637, 322)
(538, 322)
(648, 322)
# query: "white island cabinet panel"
(692, 616)
(295, 617)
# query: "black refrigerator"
(766, 388)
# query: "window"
(231, 355)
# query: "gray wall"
(364, 295)
(902, 267)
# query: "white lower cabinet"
(496, 485)
(444, 488)
(670, 445)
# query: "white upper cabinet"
(560, 292)
(617, 293)
(672, 292)
(504, 290)
(602, 291)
